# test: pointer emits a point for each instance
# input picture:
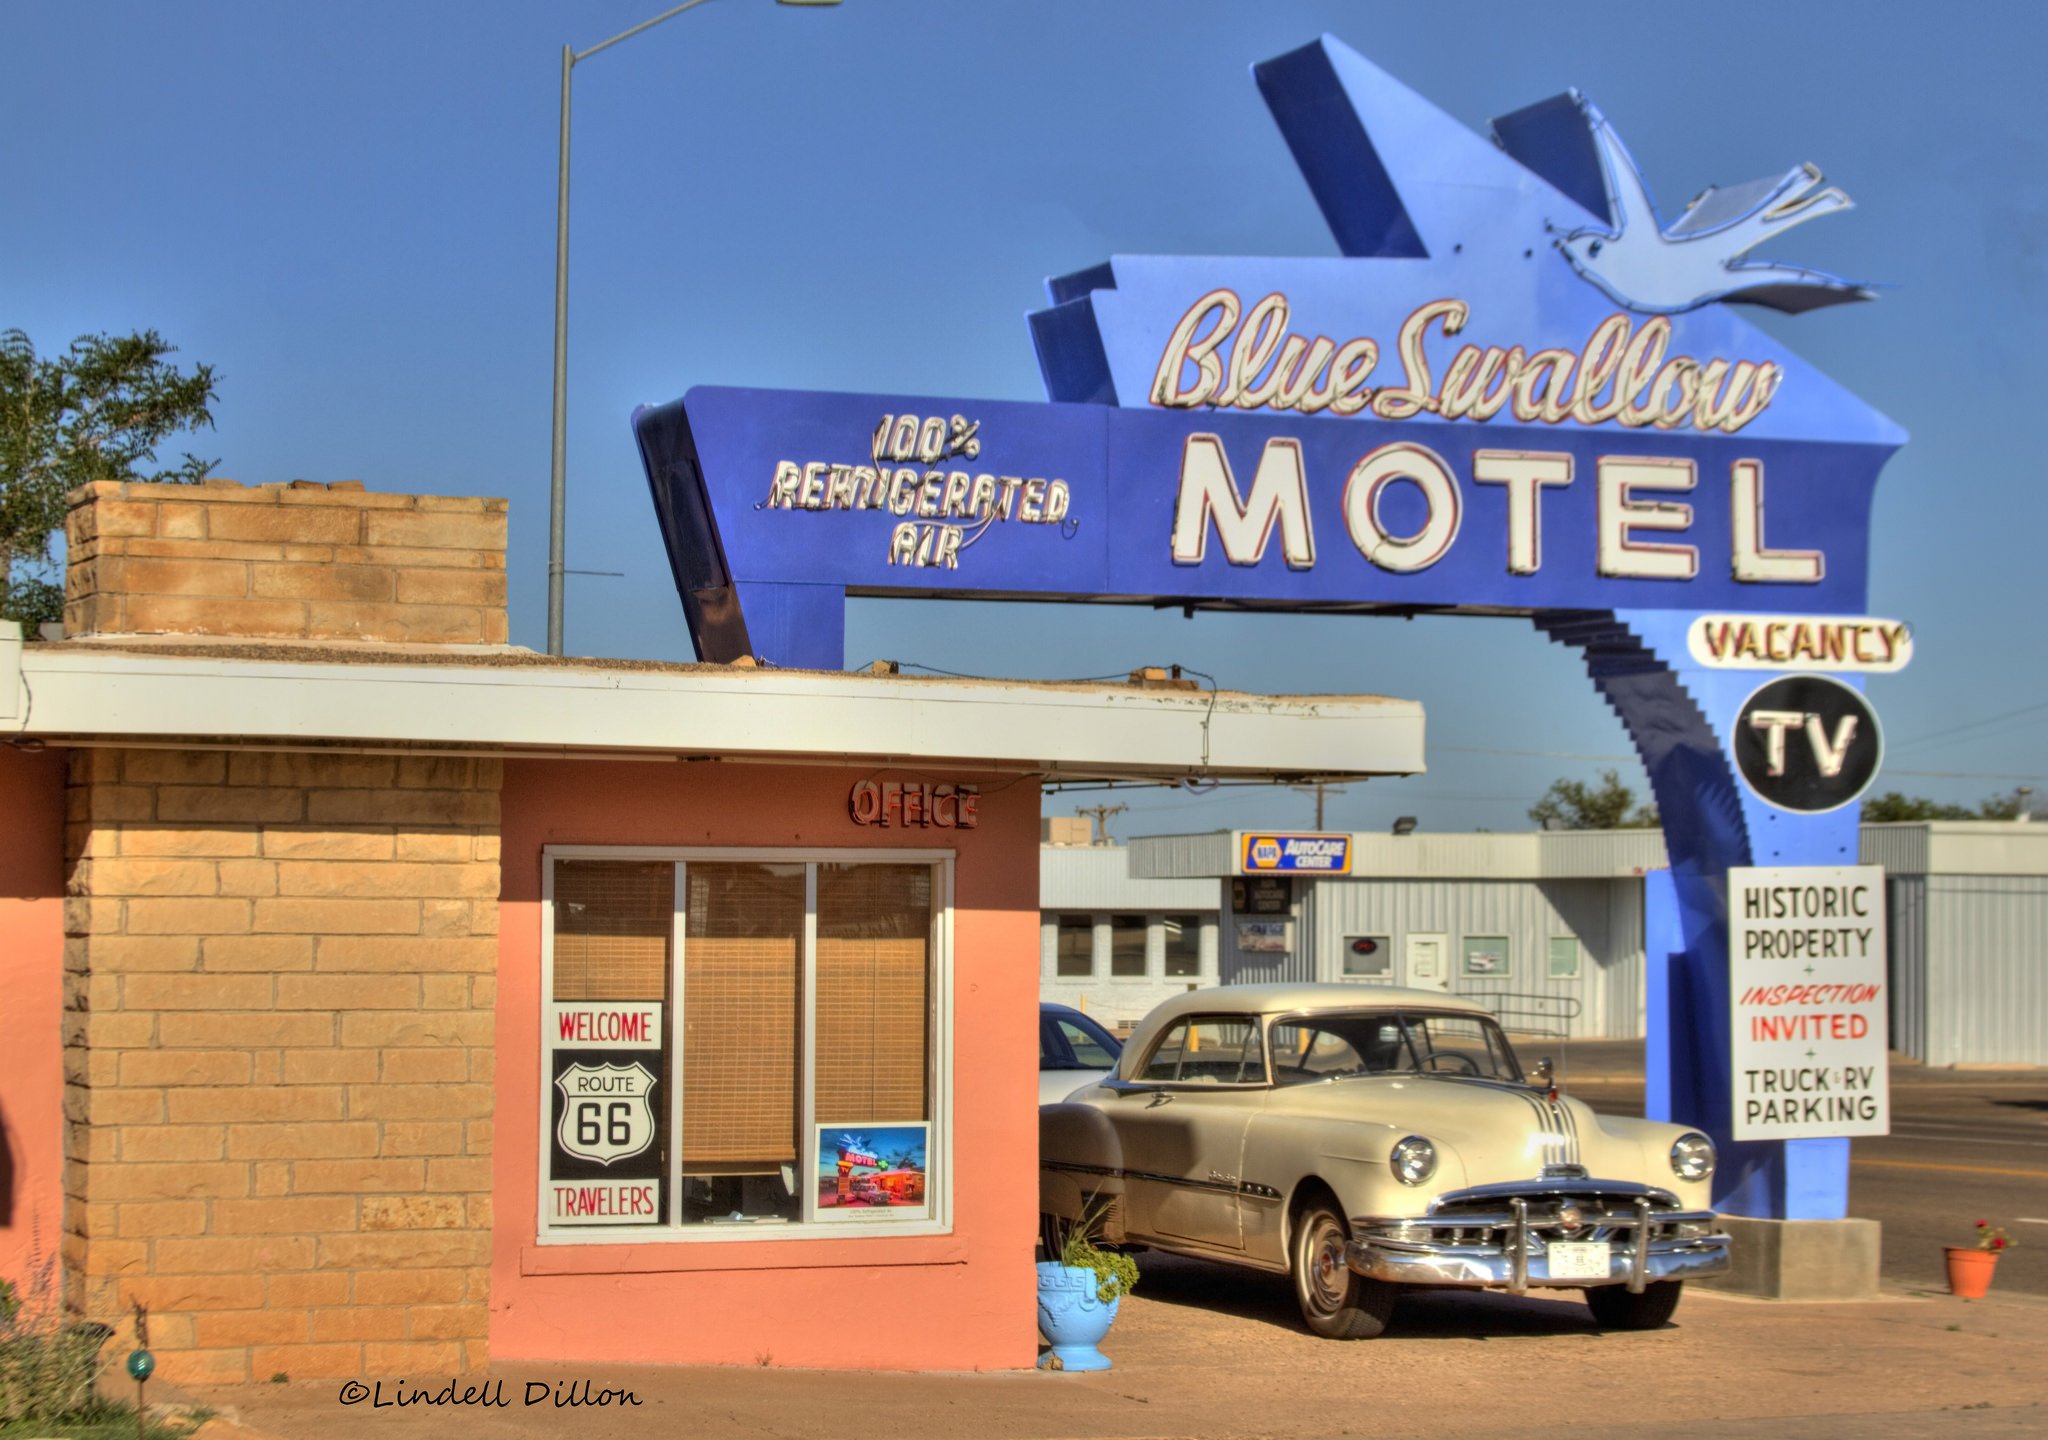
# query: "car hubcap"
(1327, 1273)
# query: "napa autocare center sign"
(1807, 965)
(1265, 852)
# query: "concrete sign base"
(1801, 1259)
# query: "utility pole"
(1099, 815)
(1320, 788)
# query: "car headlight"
(1413, 1160)
(1692, 1156)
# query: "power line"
(1970, 725)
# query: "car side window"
(1305, 1053)
(1347, 1045)
(1089, 1053)
(1207, 1050)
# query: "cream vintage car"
(1363, 1139)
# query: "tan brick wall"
(300, 561)
(280, 982)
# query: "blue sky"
(349, 211)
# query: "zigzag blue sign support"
(1518, 392)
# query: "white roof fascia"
(1082, 731)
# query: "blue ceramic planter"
(1072, 1317)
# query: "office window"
(1183, 946)
(1127, 946)
(1368, 957)
(779, 1067)
(1564, 957)
(1074, 953)
(1486, 956)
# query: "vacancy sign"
(1806, 961)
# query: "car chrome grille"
(1549, 1210)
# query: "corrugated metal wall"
(1605, 916)
(1906, 935)
(1099, 877)
(1987, 961)
(1208, 854)
(1249, 967)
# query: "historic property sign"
(1807, 959)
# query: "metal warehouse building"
(1545, 926)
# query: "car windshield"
(1307, 1049)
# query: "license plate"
(1583, 1261)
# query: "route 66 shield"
(607, 1111)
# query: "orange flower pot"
(1970, 1271)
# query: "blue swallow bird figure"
(1699, 259)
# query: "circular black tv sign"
(1807, 743)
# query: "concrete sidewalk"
(1205, 1351)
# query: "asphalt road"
(1958, 1154)
(1963, 1148)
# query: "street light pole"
(557, 489)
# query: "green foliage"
(1991, 1237)
(1893, 806)
(1575, 805)
(106, 1420)
(97, 412)
(49, 1361)
(1074, 1242)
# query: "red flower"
(1980, 1224)
(1999, 1243)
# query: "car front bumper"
(1504, 1249)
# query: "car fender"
(1348, 1158)
(1079, 1156)
(1631, 1148)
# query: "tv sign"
(1265, 854)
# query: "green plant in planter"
(1074, 1242)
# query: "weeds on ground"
(50, 1366)
(106, 1420)
(49, 1361)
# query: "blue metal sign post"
(1521, 390)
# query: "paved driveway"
(1203, 1351)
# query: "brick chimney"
(300, 561)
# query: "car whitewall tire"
(1335, 1303)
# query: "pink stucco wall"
(963, 1301)
(31, 1000)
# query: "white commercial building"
(1544, 926)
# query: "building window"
(1564, 957)
(1074, 954)
(1127, 946)
(736, 1045)
(1486, 956)
(1183, 946)
(1368, 957)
